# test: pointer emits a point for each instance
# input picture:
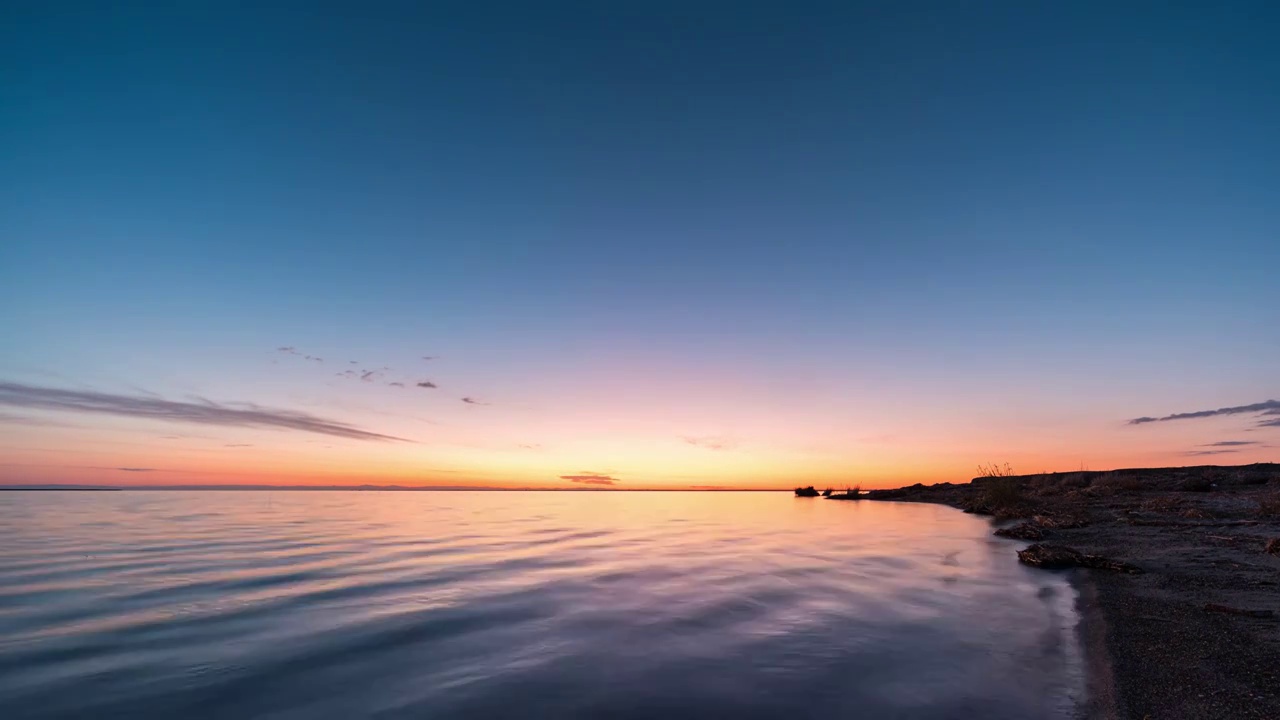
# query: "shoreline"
(1101, 700)
(1195, 633)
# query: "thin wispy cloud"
(711, 442)
(238, 445)
(1265, 408)
(133, 469)
(1230, 443)
(291, 350)
(370, 375)
(429, 358)
(428, 385)
(202, 412)
(590, 478)
(473, 401)
(529, 446)
(1209, 452)
(395, 384)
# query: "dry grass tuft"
(994, 471)
(1269, 506)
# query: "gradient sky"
(644, 244)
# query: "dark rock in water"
(1273, 546)
(1056, 557)
(978, 508)
(1195, 484)
(1021, 531)
(806, 492)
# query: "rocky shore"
(1179, 578)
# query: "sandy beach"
(1194, 631)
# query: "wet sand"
(1196, 634)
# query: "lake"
(319, 604)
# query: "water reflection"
(442, 605)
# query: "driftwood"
(1175, 523)
(1215, 607)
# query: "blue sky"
(873, 211)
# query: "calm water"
(520, 605)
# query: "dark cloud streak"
(203, 412)
(1266, 407)
(589, 478)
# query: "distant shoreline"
(1194, 634)
(60, 489)
(368, 488)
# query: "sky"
(635, 245)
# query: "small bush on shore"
(1002, 492)
(1119, 481)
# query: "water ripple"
(519, 605)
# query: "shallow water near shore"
(314, 604)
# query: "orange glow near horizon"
(610, 427)
(588, 453)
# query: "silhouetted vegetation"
(851, 492)
(993, 470)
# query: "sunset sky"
(664, 245)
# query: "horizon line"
(385, 488)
